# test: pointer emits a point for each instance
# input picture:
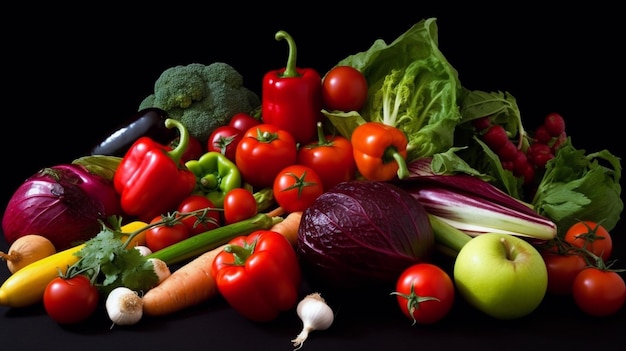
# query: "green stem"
(403, 170)
(241, 253)
(183, 142)
(290, 68)
(448, 236)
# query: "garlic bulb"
(124, 306)
(143, 250)
(315, 315)
(160, 268)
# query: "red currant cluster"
(546, 140)
(523, 161)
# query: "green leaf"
(105, 259)
(412, 87)
(576, 187)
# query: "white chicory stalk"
(315, 314)
(474, 215)
(124, 306)
(475, 206)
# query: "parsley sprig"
(109, 262)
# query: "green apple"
(501, 275)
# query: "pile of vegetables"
(403, 171)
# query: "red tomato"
(194, 149)
(599, 292)
(425, 293)
(71, 300)
(224, 140)
(263, 152)
(562, 270)
(332, 159)
(166, 234)
(296, 187)
(202, 221)
(239, 204)
(243, 121)
(592, 237)
(344, 88)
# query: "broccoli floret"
(202, 97)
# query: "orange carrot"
(192, 283)
(187, 286)
(278, 211)
(288, 227)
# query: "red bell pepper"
(258, 275)
(292, 97)
(152, 180)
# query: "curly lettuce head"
(411, 86)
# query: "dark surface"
(71, 79)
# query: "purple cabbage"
(63, 203)
(363, 233)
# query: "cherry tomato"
(70, 300)
(166, 234)
(224, 140)
(425, 293)
(344, 88)
(194, 149)
(592, 237)
(562, 270)
(296, 187)
(202, 221)
(265, 150)
(239, 204)
(331, 157)
(243, 121)
(599, 292)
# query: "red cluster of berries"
(524, 161)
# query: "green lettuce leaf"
(577, 187)
(411, 67)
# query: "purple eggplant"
(147, 122)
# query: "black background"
(72, 74)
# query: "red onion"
(62, 203)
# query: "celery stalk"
(447, 236)
(203, 242)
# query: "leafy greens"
(411, 86)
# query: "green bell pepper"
(215, 176)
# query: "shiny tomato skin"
(562, 270)
(243, 121)
(239, 204)
(198, 223)
(164, 235)
(296, 187)
(344, 88)
(591, 236)
(71, 300)
(332, 159)
(264, 150)
(599, 292)
(426, 282)
(224, 140)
